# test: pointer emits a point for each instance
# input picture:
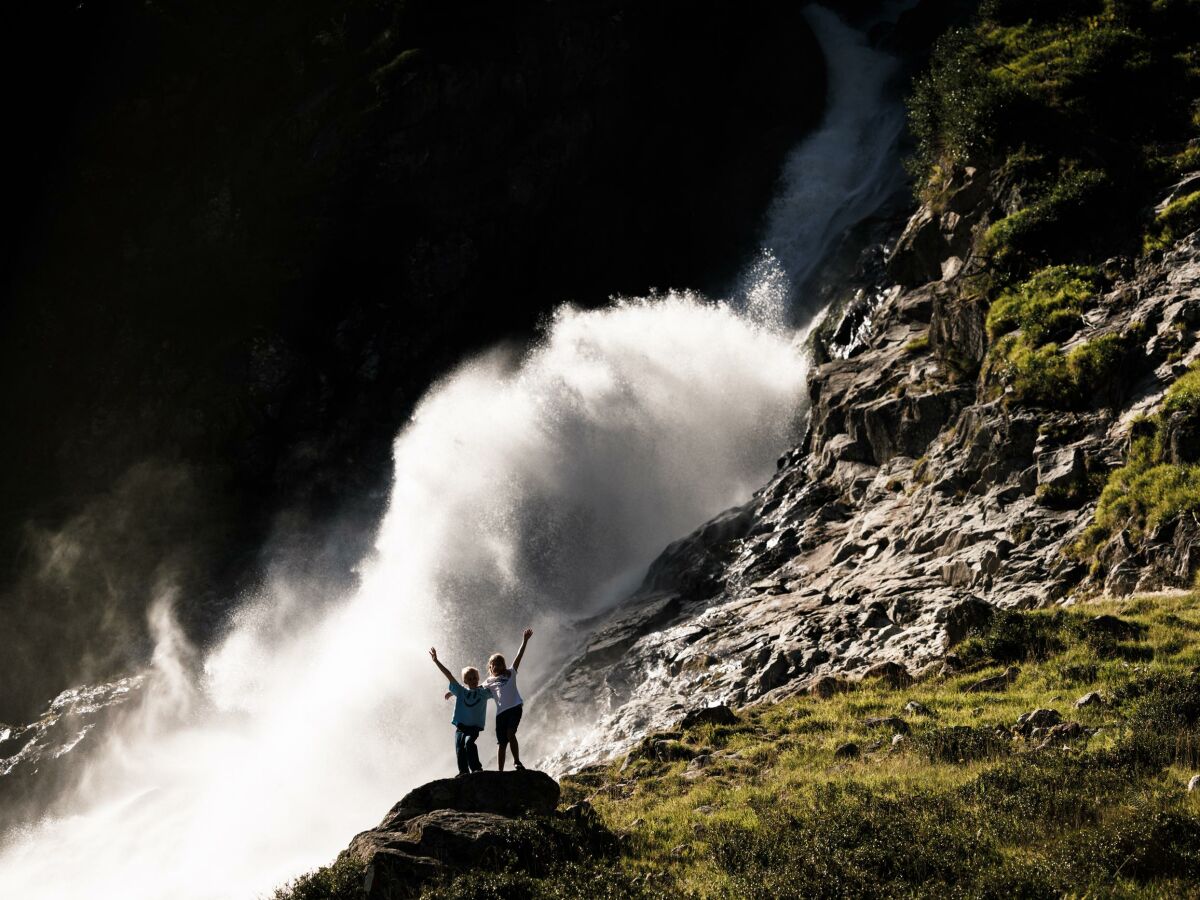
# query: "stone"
(775, 674)
(995, 683)
(1060, 468)
(827, 685)
(892, 673)
(917, 708)
(1037, 723)
(917, 256)
(709, 715)
(895, 723)
(1092, 698)
(515, 793)
(703, 761)
(848, 750)
(419, 841)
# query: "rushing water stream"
(530, 489)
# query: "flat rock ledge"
(487, 819)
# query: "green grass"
(1151, 489)
(960, 807)
(917, 344)
(1047, 307)
(958, 810)
(1024, 324)
(1097, 94)
(340, 881)
(1183, 396)
(1177, 220)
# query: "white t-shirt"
(504, 690)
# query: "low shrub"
(850, 841)
(1177, 220)
(341, 881)
(1092, 373)
(1012, 637)
(961, 743)
(1047, 307)
(602, 882)
(1139, 843)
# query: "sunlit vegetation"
(1178, 219)
(957, 807)
(1152, 488)
(1086, 104)
(1025, 324)
(815, 797)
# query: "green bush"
(1100, 92)
(1148, 490)
(1038, 12)
(958, 108)
(1013, 636)
(1184, 395)
(1059, 225)
(341, 881)
(1177, 220)
(1047, 307)
(850, 841)
(1092, 374)
(1143, 494)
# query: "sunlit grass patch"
(794, 820)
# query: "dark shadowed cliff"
(245, 239)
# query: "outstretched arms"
(521, 653)
(445, 671)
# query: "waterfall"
(530, 488)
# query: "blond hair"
(469, 674)
(496, 664)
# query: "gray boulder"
(709, 715)
(516, 793)
(453, 824)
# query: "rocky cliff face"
(920, 498)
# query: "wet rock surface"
(915, 505)
(43, 756)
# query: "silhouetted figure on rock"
(509, 705)
(470, 714)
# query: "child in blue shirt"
(470, 714)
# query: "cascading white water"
(529, 489)
(841, 173)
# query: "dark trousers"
(465, 749)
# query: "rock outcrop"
(456, 825)
(919, 500)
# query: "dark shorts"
(507, 722)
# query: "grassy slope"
(778, 814)
(955, 809)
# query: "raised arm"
(438, 663)
(521, 653)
